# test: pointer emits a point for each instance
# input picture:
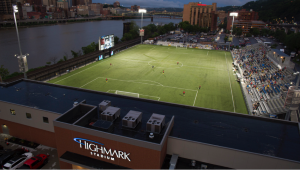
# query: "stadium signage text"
(101, 151)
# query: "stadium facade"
(94, 130)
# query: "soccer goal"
(181, 47)
(125, 93)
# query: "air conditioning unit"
(110, 114)
(132, 119)
(104, 104)
(156, 123)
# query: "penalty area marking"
(136, 81)
(158, 98)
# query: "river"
(44, 42)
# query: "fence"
(61, 68)
(243, 91)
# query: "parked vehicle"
(17, 161)
(35, 162)
(10, 154)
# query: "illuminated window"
(28, 115)
(45, 120)
(13, 112)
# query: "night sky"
(172, 3)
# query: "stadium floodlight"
(15, 10)
(233, 14)
(142, 11)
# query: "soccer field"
(131, 73)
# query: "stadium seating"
(266, 81)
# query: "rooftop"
(264, 136)
(280, 53)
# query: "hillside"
(229, 8)
(167, 9)
(274, 9)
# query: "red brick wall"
(64, 165)
(29, 133)
(141, 158)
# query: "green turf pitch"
(131, 71)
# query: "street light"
(22, 58)
(233, 14)
(142, 11)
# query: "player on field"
(106, 80)
(163, 71)
(183, 93)
(110, 64)
(177, 62)
(199, 87)
(152, 66)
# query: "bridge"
(286, 27)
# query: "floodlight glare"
(15, 8)
(142, 11)
(235, 14)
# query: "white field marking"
(136, 81)
(79, 72)
(152, 48)
(151, 81)
(138, 93)
(230, 85)
(172, 64)
(88, 82)
(195, 98)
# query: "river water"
(44, 42)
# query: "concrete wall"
(226, 157)
(36, 120)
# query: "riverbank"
(38, 23)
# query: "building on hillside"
(200, 14)
(35, 15)
(242, 15)
(62, 4)
(246, 25)
(116, 4)
(97, 8)
(45, 2)
(84, 10)
(58, 15)
(71, 14)
(105, 11)
(34, 2)
(73, 8)
(87, 2)
(221, 15)
(6, 11)
(135, 8)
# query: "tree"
(126, 37)
(53, 59)
(66, 56)
(74, 54)
(90, 48)
(274, 45)
(116, 39)
(3, 72)
(61, 60)
(239, 31)
(254, 31)
(248, 34)
(48, 63)
(225, 39)
(293, 41)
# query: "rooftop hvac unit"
(132, 119)
(110, 114)
(156, 123)
(104, 104)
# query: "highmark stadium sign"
(101, 151)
